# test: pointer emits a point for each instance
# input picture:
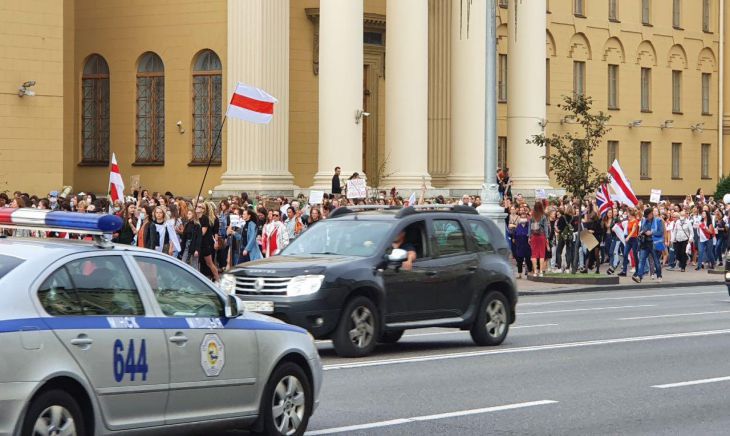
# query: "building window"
(676, 91)
(579, 8)
(95, 111)
(705, 161)
(502, 85)
(613, 86)
(677, 14)
(612, 153)
(579, 78)
(646, 89)
(502, 152)
(150, 109)
(706, 15)
(706, 78)
(645, 160)
(207, 92)
(613, 10)
(547, 82)
(646, 11)
(676, 159)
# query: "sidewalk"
(671, 279)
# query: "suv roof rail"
(344, 210)
(456, 208)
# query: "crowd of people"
(565, 234)
(555, 235)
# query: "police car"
(102, 339)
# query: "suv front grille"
(262, 285)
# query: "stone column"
(526, 76)
(439, 90)
(406, 94)
(340, 89)
(258, 54)
(468, 48)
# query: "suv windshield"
(8, 263)
(346, 237)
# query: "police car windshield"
(8, 263)
(340, 237)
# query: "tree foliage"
(570, 155)
(723, 187)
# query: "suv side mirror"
(398, 255)
(234, 307)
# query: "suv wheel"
(391, 336)
(357, 332)
(287, 401)
(492, 321)
(54, 412)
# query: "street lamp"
(490, 191)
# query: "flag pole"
(210, 159)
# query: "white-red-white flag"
(116, 184)
(252, 104)
(621, 186)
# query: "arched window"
(95, 111)
(150, 109)
(207, 94)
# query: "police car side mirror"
(234, 307)
(398, 255)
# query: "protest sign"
(656, 195)
(356, 188)
(316, 197)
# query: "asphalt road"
(634, 362)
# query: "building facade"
(391, 89)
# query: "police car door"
(98, 313)
(212, 368)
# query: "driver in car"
(400, 242)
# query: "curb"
(620, 288)
(579, 280)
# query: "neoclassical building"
(393, 89)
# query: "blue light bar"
(84, 221)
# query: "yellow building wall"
(570, 34)
(121, 31)
(31, 128)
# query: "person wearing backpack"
(564, 235)
(539, 229)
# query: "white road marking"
(633, 297)
(453, 332)
(588, 309)
(673, 315)
(401, 421)
(468, 354)
(693, 382)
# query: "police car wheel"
(287, 401)
(54, 413)
(492, 322)
(391, 337)
(357, 332)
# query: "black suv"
(344, 278)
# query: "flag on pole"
(603, 200)
(621, 186)
(251, 104)
(116, 184)
(412, 199)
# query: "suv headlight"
(304, 285)
(228, 284)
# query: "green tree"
(570, 155)
(723, 187)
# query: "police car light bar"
(69, 222)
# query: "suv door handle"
(473, 268)
(431, 273)
(179, 339)
(82, 341)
